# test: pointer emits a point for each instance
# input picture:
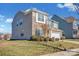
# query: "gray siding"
(25, 28)
(63, 25)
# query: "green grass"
(76, 55)
(73, 39)
(31, 48)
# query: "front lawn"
(30, 48)
(73, 40)
(76, 55)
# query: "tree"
(77, 7)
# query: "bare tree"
(77, 7)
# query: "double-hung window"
(40, 18)
(39, 32)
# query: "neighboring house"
(5, 36)
(76, 29)
(67, 25)
(34, 22)
(1, 37)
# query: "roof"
(67, 20)
(34, 9)
(50, 19)
(58, 18)
(70, 19)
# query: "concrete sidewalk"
(64, 53)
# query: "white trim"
(56, 34)
(39, 21)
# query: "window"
(50, 24)
(55, 25)
(20, 23)
(22, 34)
(17, 25)
(40, 17)
(39, 32)
(75, 31)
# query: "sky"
(8, 11)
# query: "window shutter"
(36, 17)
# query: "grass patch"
(76, 55)
(31, 48)
(73, 39)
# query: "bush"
(57, 39)
(46, 39)
(52, 39)
(42, 38)
(34, 38)
(37, 38)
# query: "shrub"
(34, 38)
(57, 39)
(42, 38)
(38, 38)
(47, 39)
(52, 39)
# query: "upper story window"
(55, 25)
(52, 24)
(40, 18)
(20, 22)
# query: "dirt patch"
(8, 44)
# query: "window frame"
(22, 34)
(37, 18)
(39, 32)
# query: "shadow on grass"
(61, 49)
(18, 39)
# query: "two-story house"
(34, 22)
(68, 25)
(76, 29)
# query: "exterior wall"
(63, 25)
(25, 28)
(53, 27)
(36, 25)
